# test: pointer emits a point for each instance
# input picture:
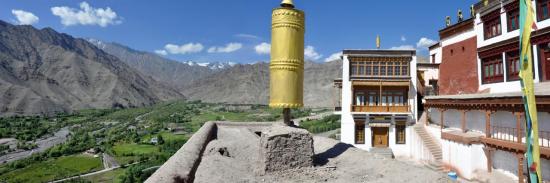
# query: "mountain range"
(44, 72)
(227, 82)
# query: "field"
(107, 177)
(54, 168)
(124, 134)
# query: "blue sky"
(234, 30)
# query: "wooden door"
(546, 66)
(380, 137)
(545, 63)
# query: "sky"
(239, 30)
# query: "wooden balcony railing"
(356, 108)
(511, 135)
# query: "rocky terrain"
(170, 72)
(249, 84)
(225, 82)
(43, 71)
(334, 162)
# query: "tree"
(160, 140)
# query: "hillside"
(250, 84)
(43, 71)
(173, 73)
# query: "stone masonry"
(283, 147)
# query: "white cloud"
(249, 36)
(333, 57)
(231, 47)
(161, 52)
(263, 48)
(424, 43)
(403, 47)
(24, 17)
(403, 38)
(310, 53)
(86, 15)
(184, 49)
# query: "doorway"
(545, 63)
(380, 136)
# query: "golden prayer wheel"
(287, 57)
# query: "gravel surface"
(233, 157)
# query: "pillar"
(520, 167)
(463, 120)
(519, 115)
(489, 153)
(427, 116)
(441, 114)
(488, 124)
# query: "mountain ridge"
(44, 72)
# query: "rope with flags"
(532, 153)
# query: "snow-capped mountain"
(212, 65)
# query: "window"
(360, 98)
(543, 9)
(513, 20)
(375, 68)
(433, 59)
(512, 59)
(491, 27)
(400, 129)
(373, 98)
(492, 70)
(360, 132)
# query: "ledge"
(468, 138)
(182, 166)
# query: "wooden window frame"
(496, 75)
(489, 25)
(513, 65)
(540, 9)
(379, 68)
(359, 129)
(400, 133)
(512, 17)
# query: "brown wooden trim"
(512, 6)
(512, 104)
(460, 139)
(488, 124)
(463, 120)
(520, 167)
(489, 153)
(512, 146)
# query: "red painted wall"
(458, 68)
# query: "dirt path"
(109, 161)
(43, 144)
(316, 116)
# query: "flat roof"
(380, 52)
(541, 89)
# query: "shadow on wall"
(338, 149)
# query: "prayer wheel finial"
(287, 3)
(287, 57)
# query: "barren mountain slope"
(42, 71)
(249, 84)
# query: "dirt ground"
(233, 157)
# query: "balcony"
(508, 138)
(397, 109)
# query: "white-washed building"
(378, 97)
(479, 126)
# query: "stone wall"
(181, 167)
